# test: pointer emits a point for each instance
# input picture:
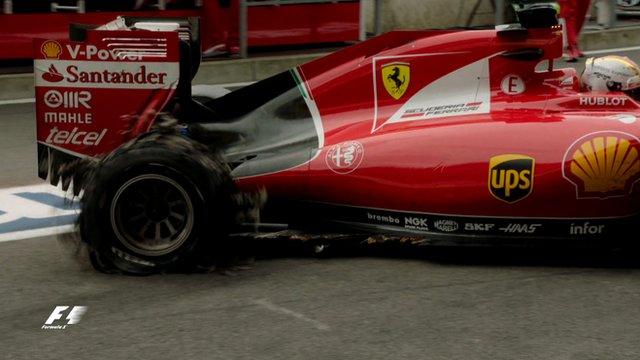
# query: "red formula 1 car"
(447, 135)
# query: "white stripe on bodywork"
(307, 95)
(458, 80)
(469, 84)
(374, 71)
(313, 107)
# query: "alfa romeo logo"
(345, 157)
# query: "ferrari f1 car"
(460, 136)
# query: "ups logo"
(511, 177)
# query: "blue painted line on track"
(52, 200)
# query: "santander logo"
(99, 75)
(52, 75)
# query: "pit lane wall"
(414, 14)
(21, 86)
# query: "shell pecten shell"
(605, 165)
(51, 49)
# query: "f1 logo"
(73, 316)
(512, 85)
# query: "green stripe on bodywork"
(299, 83)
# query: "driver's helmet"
(611, 73)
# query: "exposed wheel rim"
(152, 215)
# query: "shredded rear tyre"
(160, 203)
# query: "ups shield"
(511, 177)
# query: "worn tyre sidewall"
(204, 188)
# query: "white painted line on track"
(17, 101)
(279, 309)
(607, 51)
(233, 85)
(35, 210)
(29, 234)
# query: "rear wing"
(105, 86)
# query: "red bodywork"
(442, 165)
(82, 109)
(466, 127)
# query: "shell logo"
(603, 165)
(51, 49)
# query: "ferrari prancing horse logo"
(396, 77)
